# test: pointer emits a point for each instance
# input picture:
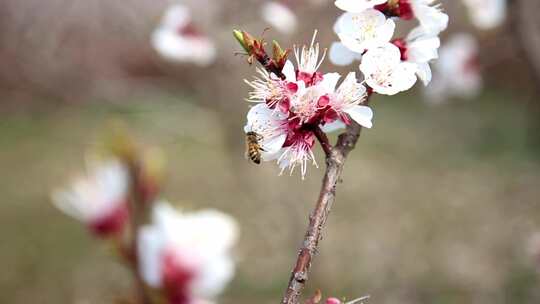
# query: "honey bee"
(253, 147)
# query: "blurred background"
(439, 203)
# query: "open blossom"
(280, 16)
(429, 15)
(361, 30)
(486, 14)
(187, 255)
(385, 72)
(456, 72)
(177, 39)
(427, 12)
(344, 103)
(282, 140)
(99, 199)
(272, 90)
(290, 109)
(419, 48)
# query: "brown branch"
(323, 140)
(335, 161)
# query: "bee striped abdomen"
(253, 148)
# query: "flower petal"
(341, 55)
(357, 6)
(333, 126)
(289, 71)
(361, 114)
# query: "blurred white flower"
(360, 31)
(280, 16)
(177, 39)
(99, 199)
(385, 72)
(486, 14)
(187, 255)
(357, 6)
(456, 72)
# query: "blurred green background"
(438, 203)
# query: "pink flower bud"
(333, 301)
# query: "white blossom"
(384, 71)
(360, 31)
(430, 15)
(347, 99)
(279, 16)
(421, 48)
(486, 14)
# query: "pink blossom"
(98, 199)
(187, 256)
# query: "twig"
(335, 160)
(323, 139)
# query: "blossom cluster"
(486, 14)
(290, 109)
(184, 257)
(296, 103)
(389, 65)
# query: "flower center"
(305, 106)
(397, 8)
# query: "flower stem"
(335, 160)
(323, 140)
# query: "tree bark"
(335, 160)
